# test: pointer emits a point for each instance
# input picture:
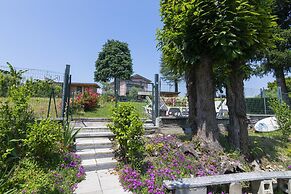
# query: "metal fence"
(48, 91)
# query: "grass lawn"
(105, 110)
(268, 148)
(40, 106)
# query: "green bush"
(44, 139)
(128, 129)
(33, 155)
(15, 118)
(5, 176)
(8, 79)
(29, 177)
(44, 88)
(283, 116)
(87, 100)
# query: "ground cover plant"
(35, 156)
(145, 162)
(169, 158)
(283, 116)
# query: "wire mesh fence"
(46, 86)
(258, 101)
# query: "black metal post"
(65, 89)
(153, 104)
(157, 108)
(54, 97)
(68, 96)
(264, 98)
(49, 105)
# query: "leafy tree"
(253, 31)
(272, 88)
(277, 60)
(170, 75)
(114, 61)
(9, 78)
(107, 92)
(282, 9)
(199, 34)
(133, 93)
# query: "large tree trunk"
(202, 94)
(238, 125)
(281, 82)
(191, 94)
(176, 85)
(115, 91)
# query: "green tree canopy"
(114, 61)
(277, 59)
(198, 34)
(282, 9)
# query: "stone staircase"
(94, 145)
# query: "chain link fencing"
(46, 86)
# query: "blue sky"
(47, 35)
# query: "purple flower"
(74, 187)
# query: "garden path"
(95, 148)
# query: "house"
(81, 87)
(137, 81)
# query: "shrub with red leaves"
(88, 100)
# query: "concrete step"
(95, 153)
(84, 124)
(105, 128)
(85, 129)
(100, 120)
(109, 134)
(89, 165)
(87, 143)
(106, 163)
(94, 134)
(98, 164)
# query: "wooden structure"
(261, 182)
(81, 87)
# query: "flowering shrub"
(30, 177)
(70, 172)
(88, 100)
(168, 159)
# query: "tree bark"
(281, 82)
(115, 91)
(205, 108)
(176, 86)
(191, 94)
(238, 125)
